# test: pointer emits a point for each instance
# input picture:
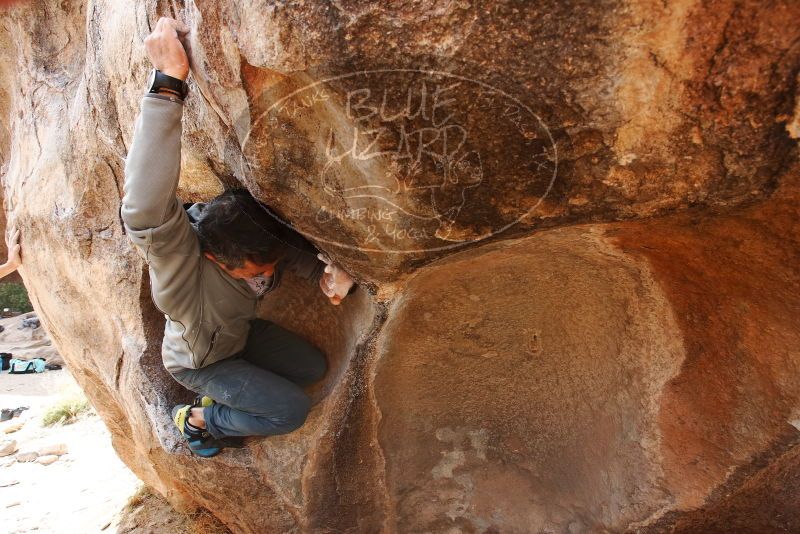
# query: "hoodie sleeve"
(153, 218)
(301, 258)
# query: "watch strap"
(170, 83)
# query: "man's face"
(248, 270)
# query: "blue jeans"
(258, 391)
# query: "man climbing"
(209, 265)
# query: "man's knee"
(293, 416)
(318, 367)
(311, 366)
(296, 420)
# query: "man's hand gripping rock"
(165, 48)
(335, 282)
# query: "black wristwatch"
(159, 80)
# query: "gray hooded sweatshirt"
(207, 311)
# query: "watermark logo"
(404, 160)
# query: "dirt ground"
(88, 489)
(84, 490)
(147, 513)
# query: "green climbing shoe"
(200, 443)
(203, 402)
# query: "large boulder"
(574, 225)
(20, 339)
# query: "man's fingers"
(160, 24)
(164, 21)
(325, 286)
(181, 28)
(166, 47)
(169, 28)
(169, 25)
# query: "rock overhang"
(651, 109)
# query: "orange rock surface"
(574, 225)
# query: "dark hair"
(235, 227)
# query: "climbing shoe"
(203, 401)
(200, 441)
(226, 442)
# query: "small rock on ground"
(8, 447)
(13, 427)
(58, 449)
(27, 456)
(47, 459)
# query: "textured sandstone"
(579, 314)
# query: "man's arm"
(153, 164)
(12, 244)
(154, 219)
(301, 256)
(304, 259)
